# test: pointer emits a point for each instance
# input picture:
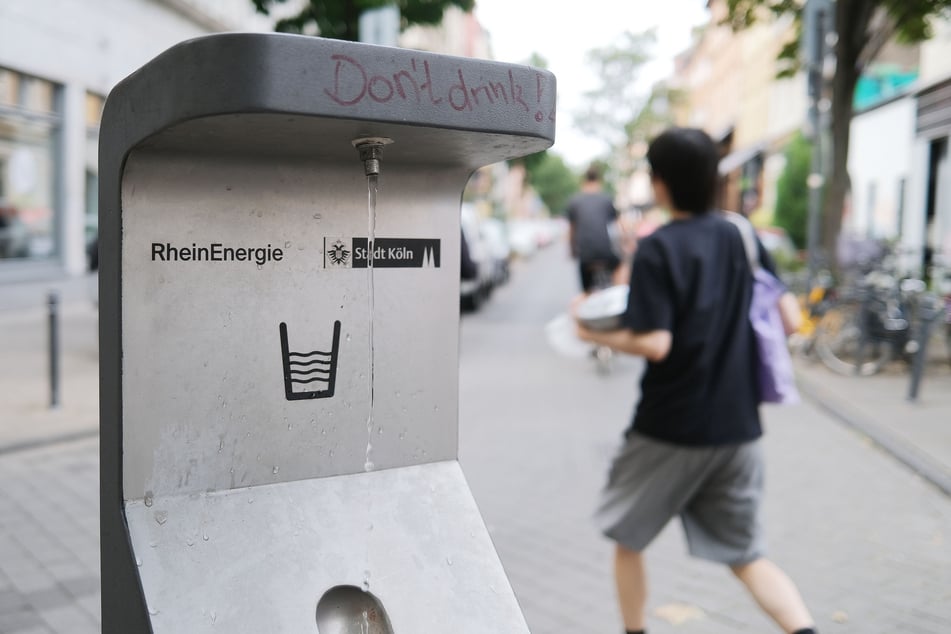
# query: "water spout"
(371, 149)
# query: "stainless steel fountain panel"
(279, 423)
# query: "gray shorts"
(716, 491)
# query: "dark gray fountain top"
(287, 95)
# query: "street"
(864, 537)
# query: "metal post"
(815, 28)
(929, 315)
(53, 301)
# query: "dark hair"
(593, 174)
(686, 159)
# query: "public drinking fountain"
(279, 337)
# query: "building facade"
(899, 164)
(732, 91)
(58, 61)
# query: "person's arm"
(646, 325)
(653, 345)
(790, 312)
(571, 214)
(789, 309)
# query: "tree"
(792, 195)
(610, 108)
(656, 114)
(863, 27)
(340, 19)
(554, 181)
(533, 162)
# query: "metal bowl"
(602, 310)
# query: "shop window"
(30, 122)
(94, 104)
(9, 88)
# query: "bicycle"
(819, 299)
(939, 276)
(874, 321)
(602, 276)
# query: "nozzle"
(371, 149)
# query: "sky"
(562, 33)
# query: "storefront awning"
(737, 159)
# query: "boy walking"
(693, 447)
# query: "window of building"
(94, 104)
(30, 122)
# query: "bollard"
(279, 314)
(930, 309)
(53, 347)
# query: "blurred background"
(783, 92)
(851, 93)
(832, 118)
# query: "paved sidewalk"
(862, 535)
(917, 433)
(49, 492)
(27, 417)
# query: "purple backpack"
(774, 369)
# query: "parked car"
(494, 236)
(523, 237)
(474, 292)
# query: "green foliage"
(339, 19)
(863, 27)
(554, 181)
(792, 193)
(656, 115)
(909, 21)
(609, 108)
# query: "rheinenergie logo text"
(215, 252)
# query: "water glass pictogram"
(313, 372)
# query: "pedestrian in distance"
(591, 217)
(693, 448)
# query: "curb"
(39, 443)
(904, 452)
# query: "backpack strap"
(748, 233)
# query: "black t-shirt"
(692, 278)
(590, 214)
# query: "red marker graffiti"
(353, 83)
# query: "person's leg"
(775, 593)
(584, 271)
(723, 524)
(631, 579)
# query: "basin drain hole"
(351, 610)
